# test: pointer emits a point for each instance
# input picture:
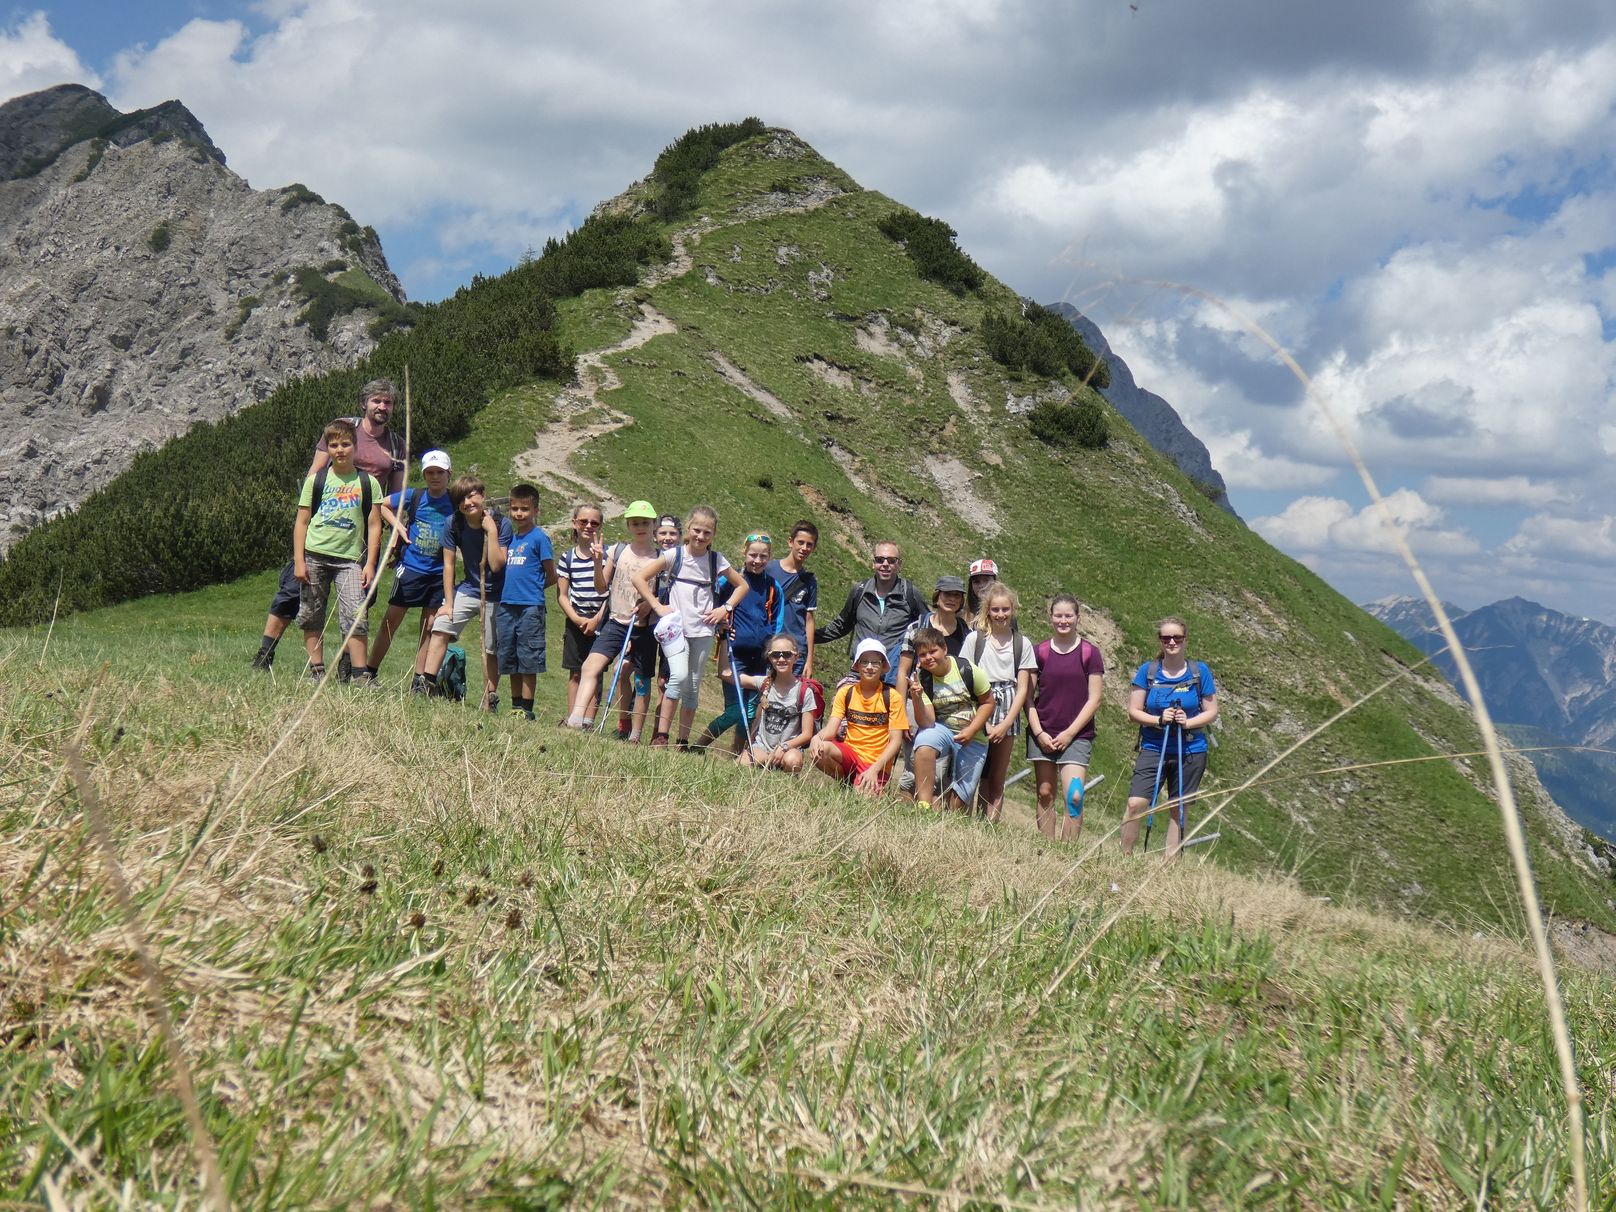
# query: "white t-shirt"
(692, 594)
(998, 660)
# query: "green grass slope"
(430, 959)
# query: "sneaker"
(522, 713)
(263, 659)
(365, 681)
(622, 730)
(419, 684)
(659, 740)
(316, 673)
(491, 704)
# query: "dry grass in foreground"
(432, 960)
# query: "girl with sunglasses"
(1173, 700)
(787, 707)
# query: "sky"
(1415, 199)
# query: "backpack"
(846, 694)
(673, 573)
(1190, 686)
(452, 674)
(804, 685)
(1018, 647)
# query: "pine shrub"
(931, 245)
(1080, 424)
(678, 170)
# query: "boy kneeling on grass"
(335, 543)
(875, 725)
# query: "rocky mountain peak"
(37, 128)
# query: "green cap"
(639, 509)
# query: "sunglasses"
(785, 654)
(883, 559)
(1170, 639)
(759, 538)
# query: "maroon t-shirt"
(382, 458)
(1063, 685)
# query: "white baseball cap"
(435, 458)
(867, 646)
(984, 568)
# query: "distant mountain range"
(1549, 678)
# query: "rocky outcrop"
(1155, 419)
(145, 287)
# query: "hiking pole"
(740, 691)
(622, 659)
(1150, 819)
(1178, 731)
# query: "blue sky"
(1415, 197)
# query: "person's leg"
(1141, 790)
(604, 652)
(1190, 772)
(993, 777)
(1070, 772)
(969, 761)
(928, 744)
(790, 760)
(353, 605)
(701, 648)
(313, 600)
(384, 634)
(1043, 773)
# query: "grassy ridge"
(539, 971)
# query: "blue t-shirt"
(425, 538)
(799, 593)
(468, 542)
(524, 568)
(755, 616)
(1187, 690)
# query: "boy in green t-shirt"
(335, 542)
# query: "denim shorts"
(968, 759)
(521, 638)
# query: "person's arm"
(808, 643)
(448, 575)
(984, 711)
(827, 734)
(494, 550)
(1096, 687)
(563, 585)
(721, 614)
(320, 461)
(300, 532)
(603, 570)
(644, 579)
(925, 713)
(1136, 709)
(373, 546)
(906, 665)
(549, 572)
(842, 623)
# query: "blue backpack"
(452, 674)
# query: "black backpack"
(318, 495)
(967, 676)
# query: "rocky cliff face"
(1155, 419)
(145, 287)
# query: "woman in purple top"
(1060, 719)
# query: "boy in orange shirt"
(875, 724)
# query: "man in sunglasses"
(879, 608)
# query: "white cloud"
(1579, 540)
(1492, 490)
(32, 57)
(1322, 524)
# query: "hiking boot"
(264, 659)
(365, 681)
(522, 713)
(316, 673)
(419, 684)
(491, 704)
(659, 740)
(344, 668)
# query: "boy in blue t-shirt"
(799, 593)
(481, 538)
(519, 618)
(421, 515)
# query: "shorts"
(520, 630)
(854, 765)
(467, 606)
(574, 647)
(969, 759)
(423, 589)
(352, 601)
(642, 648)
(1144, 774)
(1075, 754)
(288, 594)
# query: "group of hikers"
(933, 707)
